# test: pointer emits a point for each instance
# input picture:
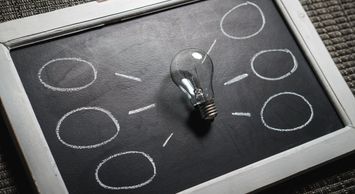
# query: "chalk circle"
(294, 68)
(150, 159)
(286, 129)
(73, 89)
(248, 36)
(87, 146)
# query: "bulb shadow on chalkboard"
(198, 125)
(175, 106)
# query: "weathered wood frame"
(34, 148)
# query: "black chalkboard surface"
(115, 121)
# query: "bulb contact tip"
(208, 110)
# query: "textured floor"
(14, 9)
(7, 184)
(341, 183)
(334, 21)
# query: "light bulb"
(192, 71)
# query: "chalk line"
(167, 140)
(236, 7)
(236, 79)
(141, 109)
(242, 114)
(286, 129)
(59, 89)
(129, 77)
(114, 120)
(211, 47)
(209, 50)
(150, 159)
(294, 68)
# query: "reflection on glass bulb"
(192, 71)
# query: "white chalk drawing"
(167, 140)
(236, 79)
(125, 187)
(286, 129)
(209, 50)
(114, 120)
(59, 89)
(129, 77)
(141, 109)
(242, 114)
(294, 68)
(248, 36)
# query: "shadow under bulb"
(192, 71)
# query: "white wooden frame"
(31, 141)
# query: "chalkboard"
(115, 121)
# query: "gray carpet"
(334, 21)
(340, 183)
(14, 9)
(7, 184)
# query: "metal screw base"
(208, 110)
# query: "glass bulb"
(192, 71)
